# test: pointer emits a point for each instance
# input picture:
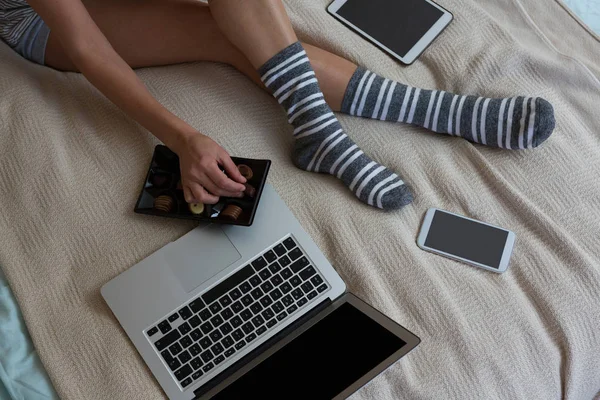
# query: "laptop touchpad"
(200, 255)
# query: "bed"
(79, 152)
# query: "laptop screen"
(321, 362)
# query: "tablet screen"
(321, 362)
(397, 24)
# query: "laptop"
(231, 312)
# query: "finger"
(187, 194)
(231, 169)
(201, 195)
(222, 181)
(196, 193)
(213, 189)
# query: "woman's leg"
(163, 32)
(262, 31)
(514, 123)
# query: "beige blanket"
(72, 164)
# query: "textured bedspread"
(71, 166)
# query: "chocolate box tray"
(162, 194)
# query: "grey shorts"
(24, 31)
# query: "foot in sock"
(321, 144)
(510, 123)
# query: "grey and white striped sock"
(510, 123)
(321, 143)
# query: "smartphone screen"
(398, 25)
(467, 239)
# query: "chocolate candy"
(164, 203)
(231, 212)
(246, 171)
(196, 208)
(250, 191)
(160, 180)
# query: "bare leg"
(259, 28)
(262, 30)
(177, 31)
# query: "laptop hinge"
(261, 349)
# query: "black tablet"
(404, 29)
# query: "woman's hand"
(201, 160)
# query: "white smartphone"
(402, 28)
(465, 239)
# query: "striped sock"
(510, 123)
(321, 144)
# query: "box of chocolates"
(162, 194)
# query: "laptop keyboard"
(222, 321)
